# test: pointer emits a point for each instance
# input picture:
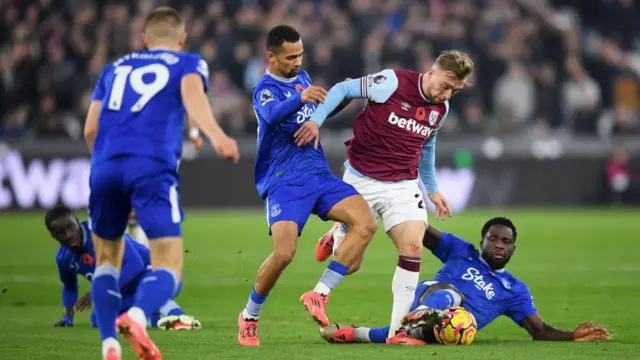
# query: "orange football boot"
(424, 316)
(247, 332)
(316, 305)
(138, 338)
(402, 338)
(324, 247)
(112, 354)
(339, 334)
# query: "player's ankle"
(248, 316)
(137, 315)
(322, 289)
(110, 343)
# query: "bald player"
(134, 130)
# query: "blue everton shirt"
(142, 112)
(488, 293)
(278, 106)
(136, 261)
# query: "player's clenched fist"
(314, 95)
(227, 148)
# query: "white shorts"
(394, 202)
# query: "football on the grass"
(460, 330)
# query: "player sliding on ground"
(479, 282)
(76, 257)
(393, 144)
(296, 182)
(134, 129)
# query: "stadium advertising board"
(35, 183)
(29, 182)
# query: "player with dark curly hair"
(476, 280)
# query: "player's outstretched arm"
(274, 111)
(339, 95)
(539, 330)
(198, 108)
(342, 105)
(427, 171)
(375, 87)
(346, 90)
(91, 123)
(69, 281)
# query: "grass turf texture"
(580, 265)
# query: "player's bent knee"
(365, 226)
(283, 257)
(371, 226)
(285, 242)
(411, 249)
(167, 253)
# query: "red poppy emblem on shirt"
(299, 88)
(420, 113)
(87, 259)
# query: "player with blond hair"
(391, 152)
(134, 129)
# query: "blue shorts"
(143, 184)
(296, 203)
(420, 289)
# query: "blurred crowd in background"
(541, 66)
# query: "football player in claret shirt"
(391, 151)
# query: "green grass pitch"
(580, 265)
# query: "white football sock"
(109, 343)
(322, 289)
(404, 289)
(362, 335)
(138, 316)
(246, 315)
(140, 235)
(338, 236)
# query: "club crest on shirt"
(506, 283)
(433, 117)
(265, 97)
(275, 210)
